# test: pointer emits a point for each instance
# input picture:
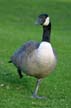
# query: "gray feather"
(20, 56)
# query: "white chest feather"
(45, 53)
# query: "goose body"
(34, 58)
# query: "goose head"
(43, 19)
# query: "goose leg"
(19, 72)
(36, 90)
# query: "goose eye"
(41, 20)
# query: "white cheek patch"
(47, 21)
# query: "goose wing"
(20, 56)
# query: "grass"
(17, 19)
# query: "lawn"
(17, 18)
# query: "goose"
(36, 59)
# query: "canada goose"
(36, 58)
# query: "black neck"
(46, 33)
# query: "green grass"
(17, 19)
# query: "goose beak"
(38, 21)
